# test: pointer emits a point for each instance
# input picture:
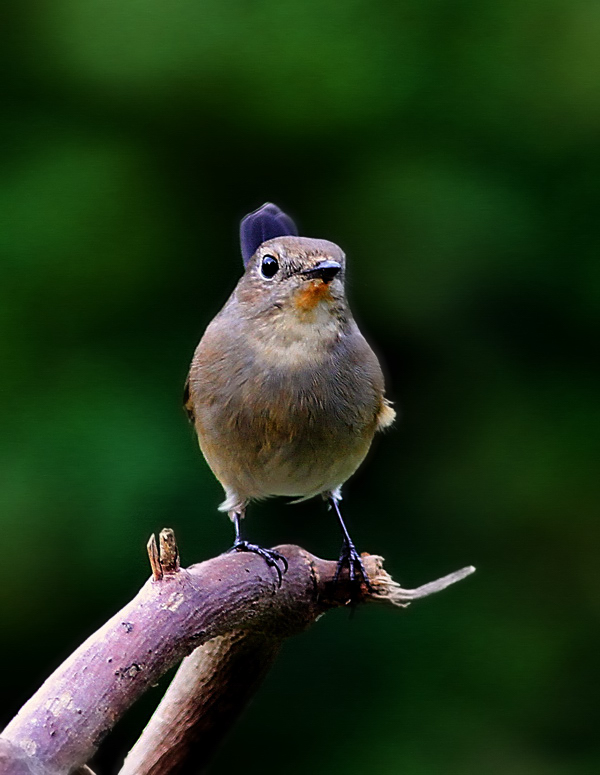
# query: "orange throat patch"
(307, 298)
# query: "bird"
(283, 390)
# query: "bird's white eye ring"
(269, 267)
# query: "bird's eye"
(269, 267)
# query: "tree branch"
(208, 693)
(231, 607)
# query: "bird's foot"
(352, 559)
(270, 556)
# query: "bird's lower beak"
(324, 270)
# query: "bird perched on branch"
(284, 392)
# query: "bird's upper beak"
(325, 270)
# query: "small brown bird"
(284, 392)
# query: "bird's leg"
(348, 554)
(270, 556)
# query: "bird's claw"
(350, 557)
(271, 556)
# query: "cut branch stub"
(154, 557)
(169, 553)
(164, 558)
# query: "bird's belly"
(257, 455)
(302, 471)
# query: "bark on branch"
(228, 613)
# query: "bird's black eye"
(269, 267)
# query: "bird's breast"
(292, 413)
(302, 335)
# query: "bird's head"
(288, 273)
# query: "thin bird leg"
(348, 554)
(270, 556)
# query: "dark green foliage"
(451, 148)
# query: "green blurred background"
(453, 149)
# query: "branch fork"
(226, 618)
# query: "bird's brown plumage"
(284, 391)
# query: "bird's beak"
(324, 270)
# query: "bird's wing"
(187, 401)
